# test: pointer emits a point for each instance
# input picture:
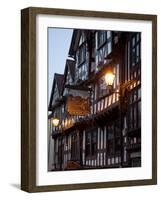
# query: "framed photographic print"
(89, 99)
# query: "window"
(93, 47)
(110, 139)
(110, 132)
(114, 140)
(91, 143)
(116, 37)
(94, 143)
(82, 72)
(103, 47)
(88, 138)
(135, 49)
(132, 65)
(102, 38)
(117, 136)
(139, 114)
(81, 54)
(134, 110)
(59, 150)
(74, 147)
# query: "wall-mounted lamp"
(55, 121)
(109, 78)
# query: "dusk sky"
(58, 46)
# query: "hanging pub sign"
(77, 105)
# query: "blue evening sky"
(58, 47)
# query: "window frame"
(133, 106)
(112, 141)
(101, 33)
(74, 146)
(134, 46)
(92, 134)
(82, 49)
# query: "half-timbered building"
(108, 134)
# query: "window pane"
(131, 98)
(139, 93)
(117, 129)
(131, 118)
(133, 41)
(81, 54)
(135, 49)
(133, 57)
(137, 53)
(137, 37)
(108, 34)
(117, 145)
(109, 47)
(139, 114)
(135, 116)
(88, 137)
(135, 95)
(110, 132)
(110, 147)
(102, 35)
(94, 143)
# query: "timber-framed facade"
(109, 136)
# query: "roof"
(74, 42)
